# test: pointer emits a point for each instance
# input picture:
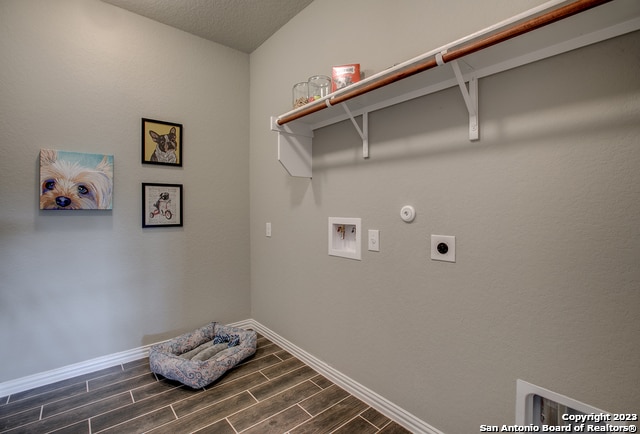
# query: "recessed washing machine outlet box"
(443, 248)
(345, 237)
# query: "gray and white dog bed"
(200, 357)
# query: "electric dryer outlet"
(443, 248)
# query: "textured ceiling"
(240, 24)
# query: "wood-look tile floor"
(270, 392)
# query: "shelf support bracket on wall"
(294, 148)
(363, 132)
(470, 97)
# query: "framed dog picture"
(161, 143)
(75, 180)
(161, 205)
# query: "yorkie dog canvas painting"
(161, 142)
(74, 180)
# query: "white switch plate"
(450, 243)
(374, 240)
(268, 229)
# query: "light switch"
(374, 240)
(268, 229)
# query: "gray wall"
(545, 209)
(79, 75)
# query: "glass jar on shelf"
(300, 94)
(319, 87)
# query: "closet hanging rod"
(453, 54)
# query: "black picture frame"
(162, 205)
(161, 143)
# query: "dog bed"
(200, 357)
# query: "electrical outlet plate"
(447, 254)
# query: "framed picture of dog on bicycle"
(161, 143)
(161, 205)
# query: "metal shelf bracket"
(470, 97)
(363, 132)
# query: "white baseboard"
(361, 392)
(384, 406)
(70, 371)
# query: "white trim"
(70, 371)
(384, 406)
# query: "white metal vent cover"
(569, 411)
